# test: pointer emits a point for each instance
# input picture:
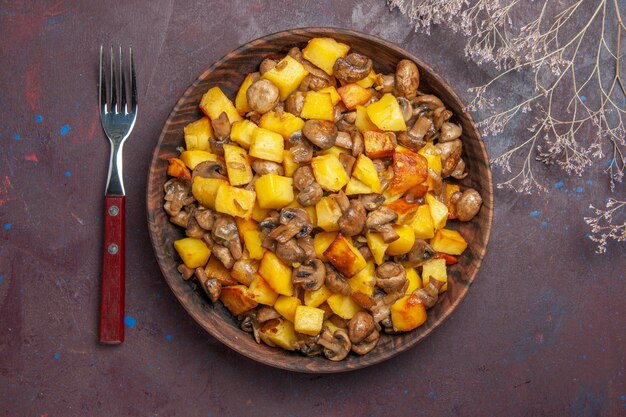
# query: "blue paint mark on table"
(38, 118)
(579, 189)
(7, 226)
(559, 185)
(130, 321)
(68, 174)
(1, 278)
(169, 337)
(535, 214)
(56, 356)
(65, 129)
(17, 137)
(545, 224)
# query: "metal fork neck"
(115, 179)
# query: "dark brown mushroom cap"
(294, 222)
(360, 326)
(352, 221)
(372, 201)
(310, 275)
(368, 344)
(381, 220)
(321, 133)
(450, 155)
(419, 253)
(263, 95)
(266, 65)
(390, 276)
(221, 126)
(335, 281)
(214, 289)
(352, 68)
(336, 345)
(468, 205)
(290, 252)
(210, 169)
(262, 167)
(295, 102)
(303, 177)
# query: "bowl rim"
(332, 367)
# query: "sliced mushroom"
(430, 293)
(306, 243)
(290, 252)
(365, 251)
(360, 326)
(385, 83)
(358, 146)
(450, 156)
(263, 96)
(368, 344)
(244, 270)
(409, 141)
(221, 126)
(419, 253)
(222, 253)
(336, 346)
(348, 162)
(204, 217)
(372, 201)
(262, 167)
(407, 79)
(294, 103)
(310, 347)
(316, 82)
(177, 195)
(226, 233)
(250, 324)
(214, 289)
(210, 169)
(186, 272)
(406, 107)
(441, 115)
(193, 228)
(459, 171)
(344, 140)
(335, 282)
(266, 313)
(352, 68)
(390, 276)
(266, 65)
(420, 128)
(310, 275)
(352, 220)
(181, 219)
(321, 133)
(310, 195)
(303, 177)
(301, 149)
(429, 100)
(449, 132)
(295, 222)
(468, 205)
(381, 220)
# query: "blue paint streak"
(558, 185)
(578, 189)
(7, 226)
(17, 137)
(623, 397)
(1, 278)
(590, 183)
(583, 98)
(68, 174)
(535, 213)
(169, 337)
(38, 118)
(130, 321)
(53, 20)
(56, 356)
(544, 224)
(432, 395)
(65, 129)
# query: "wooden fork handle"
(113, 275)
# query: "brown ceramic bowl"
(227, 73)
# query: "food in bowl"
(316, 205)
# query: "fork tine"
(102, 83)
(113, 84)
(133, 83)
(123, 108)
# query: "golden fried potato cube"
(363, 122)
(317, 297)
(237, 299)
(261, 291)
(276, 273)
(343, 306)
(432, 155)
(365, 280)
(328, 213)
(422, 223)
(274, 191)
(405, 241)
(286, 306)
(237, 165)
(368, 81)
(415, 282)
(409, 170)
(241, 100)
(215, 269)
(214, 102)
(281, 333)
(241, 132)
(238, 202)
(406, 210)
(408, 313)
(194, 252)
(205, 190)
(334, 95)
(286, 75)
(176, 168)
(321, 242)
(365, 171)
(282, 123)
(334, 150)
(329, 172)
(435, 268)
(448, 241)
(438, 211)
(197, 135)
(377, 246)
(353, 95)
(344, 256)
(267, 145)
(317, 106)
(355, 187)
(252, 241)
(378, 144)
(196, 156)
(289, 165)
(308, 320)
(323, 52)
(386, 114)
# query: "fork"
(117, 122)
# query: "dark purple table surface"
(541, 332)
